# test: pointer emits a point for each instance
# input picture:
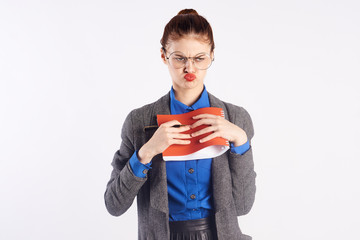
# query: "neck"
(188, 96)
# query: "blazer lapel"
(157, 175)
(221, 177)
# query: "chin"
(193, 84)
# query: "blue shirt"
(189, 182)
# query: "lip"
(190, 77)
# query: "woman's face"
(190, 46)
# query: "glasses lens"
(201, 61)
(177, 60)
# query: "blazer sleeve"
(123, 185)
(242, 166)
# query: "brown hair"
(187, 21)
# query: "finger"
(171, 123)
(179, 129)
(205, 115)
(204, 121)
(207, 138)
(180, 136)
(203, 131)
(181, 142)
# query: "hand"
(163, 137)
(220, 128)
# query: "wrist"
(145, 155)
(239, 142)
(241, 139)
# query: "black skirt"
(199, 229)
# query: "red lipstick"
(190, 77)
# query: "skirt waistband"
(193, 225)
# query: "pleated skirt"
(199, 229)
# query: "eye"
(180, 59)
(199, 59)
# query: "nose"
(189, 66)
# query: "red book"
(194, 150)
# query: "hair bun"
(188, 11)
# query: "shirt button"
(191, 170)
(145, 171)
(192, 196)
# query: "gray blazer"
(233, 176)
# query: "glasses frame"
(187, 59)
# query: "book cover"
(194, 150)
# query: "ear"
(163, 56)
(212, 55)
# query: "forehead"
(189, 45)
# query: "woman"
(194, 199)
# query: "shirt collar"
(178, 107)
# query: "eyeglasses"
(177, 59)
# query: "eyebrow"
(178, 53)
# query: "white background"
(71, 71)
